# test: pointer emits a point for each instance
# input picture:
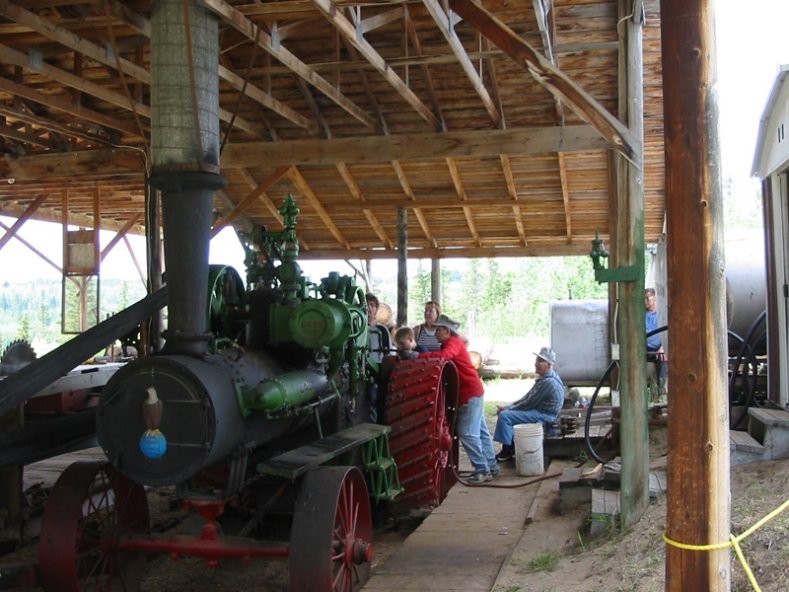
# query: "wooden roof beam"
(565, 197)
(409, 192)
(130, 223)
(553, 79)
(506, 168)
(246, 27)
(12, 56)
(28, 213)
(101, 55)
(15, 134)
(431, 90)
(444, 25)
(357, 192)
(535, 249)
(420, 60)
(251, 198)
(348, 30)
(44, 126)
(72, 108)
(365, 149)
(362, 74)
(461, 192)
(265, 99)
(306, 191)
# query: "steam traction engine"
(268, 414)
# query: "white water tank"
(579, 336)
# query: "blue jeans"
(475, 437)
(511, 417)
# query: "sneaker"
(478, 478)
(507, 453)
(494, 475)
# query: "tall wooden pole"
(629, 220)
(435, 280)
(402, 266)
(698, 510)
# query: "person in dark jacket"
(471, 426)
(540, 405)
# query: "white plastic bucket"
(528, 449)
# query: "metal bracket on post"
(608, 275)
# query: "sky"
(751, 44)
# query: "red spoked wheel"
(89, 509)
(332, 533)
(421, 406)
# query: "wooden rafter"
(246, 27)
(72, 108)
(251, 198)
(101, 55)
(356, 191)
(306, 191)
(554, 80)
(347, 30)
(565, 197)
(506, 168)
(470, 144)
(120, 234)
(17, 58)
(29, 211)
(461, 193)
(409, 192)
(413, 38)
(442, 20)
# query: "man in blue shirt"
(655, 352)
(540, 405)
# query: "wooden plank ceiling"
(357, 108)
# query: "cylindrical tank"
(746, 282)
(201, 420)
(579, 336)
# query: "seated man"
(541, 404)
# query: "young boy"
(405, 341)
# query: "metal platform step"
(296, 462)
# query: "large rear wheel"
(421, 407)
(89, 509)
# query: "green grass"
(545, 562)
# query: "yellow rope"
(734, 542)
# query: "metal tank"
(579, 328)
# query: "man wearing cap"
(471, 426)
(541, 404)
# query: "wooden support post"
(435, 280)
(698, 505)
(629, 249)
(402, 266)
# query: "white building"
(771, 165)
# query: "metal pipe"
(185, 155)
